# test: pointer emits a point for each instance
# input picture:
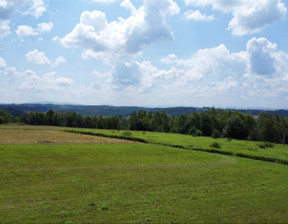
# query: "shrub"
(195, 132)
(215, 145)
(127, 133)
(265, 145)
(216, 133)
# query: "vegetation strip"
(214, 150)
(108, 136)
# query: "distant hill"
(105, 110)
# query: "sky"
(198, 53)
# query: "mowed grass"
(48, 135)
(136, 183)
(252, 149)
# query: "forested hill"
(103, 110)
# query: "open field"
(135, 183)
(250, 149)
(32, 136)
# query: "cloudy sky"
(218, 53)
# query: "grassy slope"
(278, 153)
(137, 183)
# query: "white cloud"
(248, 16)
(48, 81)
(4, 28)
(261, 56)
(257, 16)
(123, 37)
(45, 27)
(213, 62)
(127, 4)
(3, 4)
(58, 61)
(2, 63)
(198, 16)
(39, 58)
(214, 75)
(24, 30)
(36, 8)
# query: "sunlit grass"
(244, 148)
(136, 183)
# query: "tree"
(235, 127)
(206, 124)
(4, 117)
(266, 127)
(49, 117)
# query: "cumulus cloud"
(34, 8)
(212, 62)
(248, 16)
(95, 35)
(7, 8)
(58, 61)
(37, 57)
(4, 28)
(2, 63)
(40, 58)
(48, 81)
(45, 27)
(24, 30)
(198, 16)
(259, 72)
(261, 56)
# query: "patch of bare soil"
(8, 136)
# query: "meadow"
(48, 179)
(248, 149)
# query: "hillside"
(105, 110)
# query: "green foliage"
(216, 133)
(215, 145)
(127, 133)
(212, 122)
(235, 128)
(4, 117)
(266, 127)
(265, 145)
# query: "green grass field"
(136, 183)
(250, 149)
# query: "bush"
(265, 145)
(127, 133)
(216, 133)
(195, 132)
(215, 145)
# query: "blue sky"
(218, 53)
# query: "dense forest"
(213, 122)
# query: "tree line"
(214, 122)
